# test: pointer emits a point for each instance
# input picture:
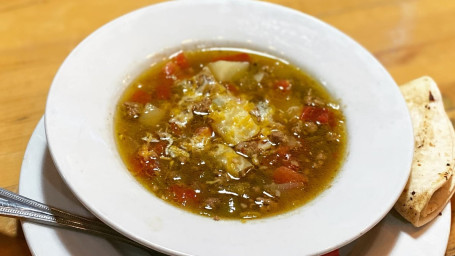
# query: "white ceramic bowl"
(82, 99)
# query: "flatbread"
(431, 182)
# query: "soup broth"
(230, 134)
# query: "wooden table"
(410, 38)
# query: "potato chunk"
(151, 115)
(225, 71)
(230, 160)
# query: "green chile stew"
(230, 134)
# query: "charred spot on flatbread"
(431, 97)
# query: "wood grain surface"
(410, 38)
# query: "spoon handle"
(17, 206)
(30, 204)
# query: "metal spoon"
(17, 206)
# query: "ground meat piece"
(220, 179)
(311, 100)
(333, 137)
(132, 110)
(319, 159)
(321, 156)
(267, 69)
(310, 127)
(211, 202)
(202, 107)
(304, 128)
(263, 112)
(248, 148)
(297, 128)
(204, 78)
(265, 204)
(279, 137)
(294, 165)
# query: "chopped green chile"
(230, 134)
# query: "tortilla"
(431, 183)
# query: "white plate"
(82, 99)
(41, 181)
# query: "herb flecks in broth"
(230, 134)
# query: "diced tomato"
(204, 131)
(318, 114)
(283, 85)
(284, 174)
(150, 167)
(175, 66)
(270, 160)
(143, 166)
(283, 152)
(175, 129)
(232, 88)
(140, 96)
(332, 253)
(183, 195)
(323, 117)
(136, 164)
(159, 147)
(163, 89)
(309, 113)
(181, 60)
(235, 57)
(163, 92)
(170, 68)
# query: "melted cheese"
(234, 123)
